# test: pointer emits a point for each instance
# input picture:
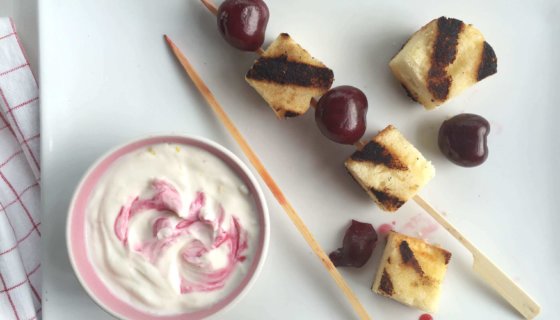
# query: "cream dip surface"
(171, 229)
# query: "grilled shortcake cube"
(287, 77)
(390, 169)
(442, 59)
(411, 271)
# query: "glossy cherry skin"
(463, 139)
(341, 114)
(358, 244)
(242, 23)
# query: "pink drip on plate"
(166, 232)
(384, 229)
(420, 224)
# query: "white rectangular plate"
(107, 77)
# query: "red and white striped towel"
(20, 232)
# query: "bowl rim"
(216, 150)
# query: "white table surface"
(110, 78)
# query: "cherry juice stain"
(384, 229)
(425, 316)
(421, 225)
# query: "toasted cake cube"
(390, 169)
(287, 77)
(441, 60)
(411, 271)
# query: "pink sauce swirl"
(228, 235)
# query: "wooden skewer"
(257, 164)
(210, 6)
(486, 269)
(482, 266)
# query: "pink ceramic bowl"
(75, 231)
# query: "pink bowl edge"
(76, 243)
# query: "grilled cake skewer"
(490, 273)
(278, 194)
(400, 172)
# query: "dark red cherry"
(341, 114)
(357, 246)
(242, 23)
(462, 139)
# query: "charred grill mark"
(388, 201)
(488, 62)
(291, 114)
(378, 154)
(447, 256)
(386, 285)
(282, 71)
(444, 53)
(409, 258)
(445, 47)
(409, 94)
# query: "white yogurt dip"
(171, 229)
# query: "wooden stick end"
(168, 40)
(210, 6)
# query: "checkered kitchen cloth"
(20, 233)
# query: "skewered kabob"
(388, 156)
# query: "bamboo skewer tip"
(490, 273)
(168, 40)
(210, 6)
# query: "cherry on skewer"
(340, 114)
(242, 23)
